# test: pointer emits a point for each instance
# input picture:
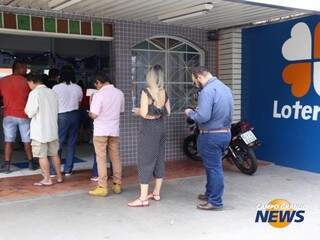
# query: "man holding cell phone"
(106, 107)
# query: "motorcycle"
(240, 151)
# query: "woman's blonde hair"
(155, 81)
(155, 77)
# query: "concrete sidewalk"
(77, 216)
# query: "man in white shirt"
(42, 108)
(69, 97)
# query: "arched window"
(177, 56)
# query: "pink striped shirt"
(107, 104)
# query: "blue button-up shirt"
(215, 106)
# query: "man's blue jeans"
(95, 166)
(211, 147)
(68, 133)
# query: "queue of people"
(55, 119)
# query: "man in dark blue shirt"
(214, 117)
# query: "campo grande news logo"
(279, 213)
(302, 51)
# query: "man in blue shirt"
(214, 117)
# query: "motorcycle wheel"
(190, 148)
(245, 161)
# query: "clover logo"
(303, 51)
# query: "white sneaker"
(67, 174)
(94, 179)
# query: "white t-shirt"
(69, 96)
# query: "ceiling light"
(184, 16)
(61, 4)
(193, 11)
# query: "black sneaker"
(5, 167)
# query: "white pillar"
(229, 62)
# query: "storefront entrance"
(44, 53)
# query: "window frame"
(167, 52)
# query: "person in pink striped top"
(106, 107)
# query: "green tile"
(97, 28)
(1, 18)
(50, 25)
(24, 22)
(74, 27)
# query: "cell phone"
(191, 107)
(90, 92)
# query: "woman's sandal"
(42, 184)
(60, 180)
(141, 203)
(153, 196)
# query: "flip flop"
(42, 184)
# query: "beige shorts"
(43, 150)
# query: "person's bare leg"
(142, 200)
(7, 151)
(157, 187)
(45, 168)
(144, 188)
(28, 151)
(57, 167)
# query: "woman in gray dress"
(154, 106)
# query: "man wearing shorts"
(42, 108)
(14, 90)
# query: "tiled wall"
(126, 35)
(230, 47)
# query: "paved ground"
(77, 216)
(21, 187)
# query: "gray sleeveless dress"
(151, 144)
